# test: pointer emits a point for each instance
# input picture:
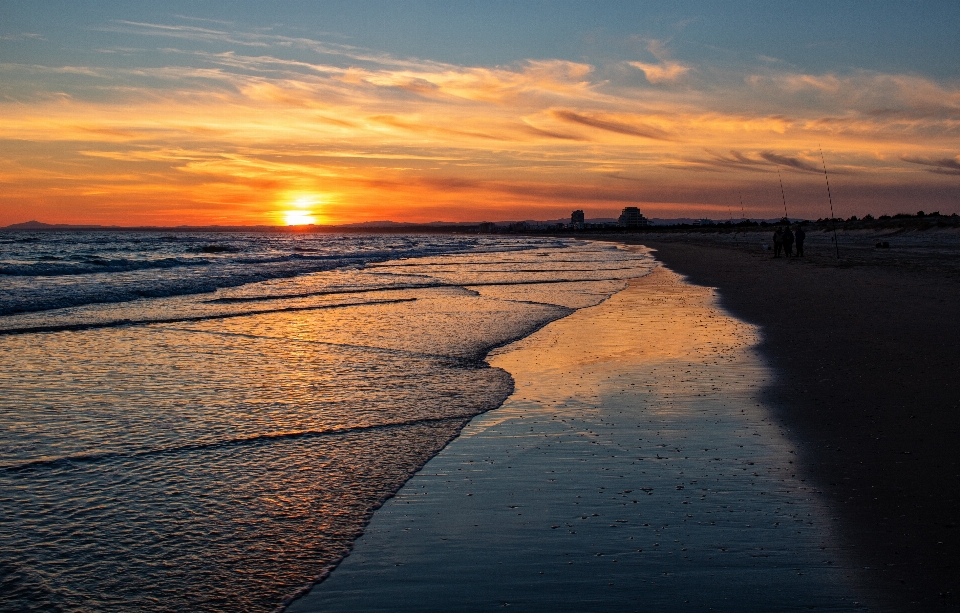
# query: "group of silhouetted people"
(784, 239)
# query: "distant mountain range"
(39, 225)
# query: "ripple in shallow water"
(221, 463)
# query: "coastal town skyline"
(418, 111)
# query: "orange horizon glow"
(437, 142)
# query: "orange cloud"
(658, 73)
(667, 70)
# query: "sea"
(200, 421)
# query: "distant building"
(703, 222)
(631, 218)
(577, 219)
(488, 227)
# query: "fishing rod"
(730, 213)
(833, 220)
(783, 195)
(743, 216)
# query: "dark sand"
(867, 353)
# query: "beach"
(635, 467)
(726, 431)
(867, 352)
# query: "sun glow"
(302, 208)
(299, 218)
(304, 202)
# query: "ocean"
(206, 421)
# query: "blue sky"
(904, 36)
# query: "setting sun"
(299, 218)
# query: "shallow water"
(218, 446)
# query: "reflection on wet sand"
(633, 468)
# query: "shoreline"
(300, 592)
(867, 357)
(604, 423)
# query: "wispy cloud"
(259, 39)
(871, 94)
(8, 67)
(186, 32)
(734, 160)
(792, 162)
(658, 73)
(610, 125)
(666, 69)
(201, 19)
(22, 36)
(944, 166)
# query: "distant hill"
(39, 225)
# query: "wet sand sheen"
(633, 468)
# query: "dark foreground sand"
(867, 353)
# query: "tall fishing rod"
(783, 195)
(743, 216)
(730, 213)
(833, 220)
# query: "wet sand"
(635, 467)
(867, 355)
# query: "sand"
(635, 467)
(867, 355)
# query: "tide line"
(439, 357)
(261, 439)
(438, 284)
(142, 322)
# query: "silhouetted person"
(800, 235)
(787, 242)
(777, 242)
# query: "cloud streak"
(791, 162)
(610, 125)
(945, 166)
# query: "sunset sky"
(329, 112)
